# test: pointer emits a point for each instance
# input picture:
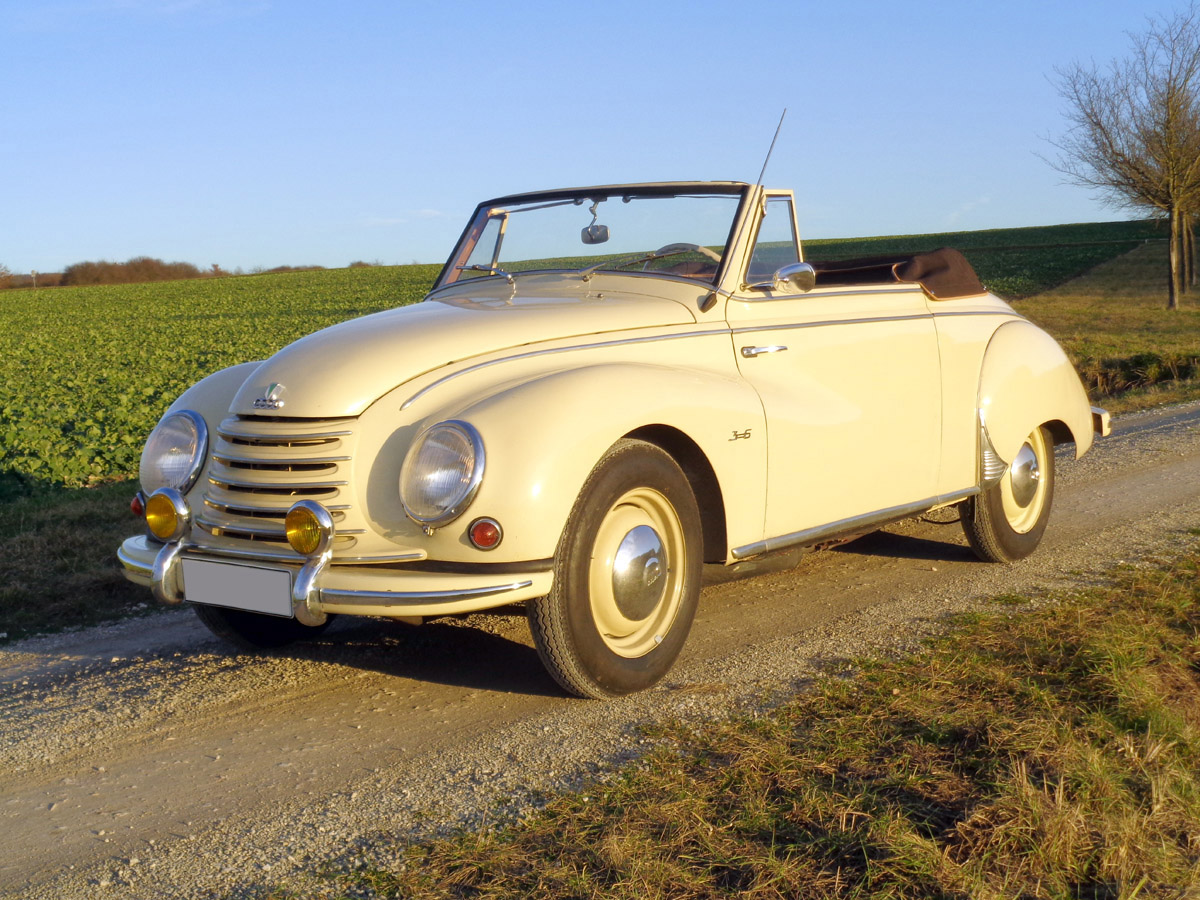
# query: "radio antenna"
(771, 149)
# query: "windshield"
(683, 234)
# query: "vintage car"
(606, 388)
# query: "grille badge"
(273, 398)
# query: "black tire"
(1004, 524)
(254, 631)
(598, 633)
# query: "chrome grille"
(259, 467)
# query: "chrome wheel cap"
(637, 577)
(1025, 476)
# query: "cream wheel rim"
(1023, 487)
(635, 574)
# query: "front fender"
(544, 436)
(211, 395)
(1026, 381)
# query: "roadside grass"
(1052, 752)
(58, 565)
(1131, 351)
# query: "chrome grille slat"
(337, 511)
(282, 464)
(277, 487)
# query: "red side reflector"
(485, 533)
(137, 506)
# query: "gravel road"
(145, 759)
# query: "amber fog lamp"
(167, 514)
(309, 528)
(485, 533)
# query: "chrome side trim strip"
(706, 333)
(828, 292)
(849, 526)
(395, 598)
(951, 314)
(748, 329)
(620, 342)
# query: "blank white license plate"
(239, 586)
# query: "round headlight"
(441, 473)
(174, 453)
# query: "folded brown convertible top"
(943, 274)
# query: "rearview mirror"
(594, 234)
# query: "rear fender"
(1027, 381)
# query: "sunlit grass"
(1114, 323)
(1050, 753)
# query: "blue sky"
(267, 132)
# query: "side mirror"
(795, 277)
(594, 234)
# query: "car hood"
(342, 370)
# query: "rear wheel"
(254, 631)
(1005, 523)
(626, 576)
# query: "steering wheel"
(668, 249)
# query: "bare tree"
(1135, 130)
(5, 276)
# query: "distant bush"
(363, 264)
(137, 270)
(279, 269)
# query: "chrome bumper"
(320, 588)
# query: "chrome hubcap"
(637, 581)
(1025, 476)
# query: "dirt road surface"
(145, 759)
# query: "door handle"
(751, 352)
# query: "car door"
(850, 384)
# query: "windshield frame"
(479, 219)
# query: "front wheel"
(626, 576)
(1005, 523)
(254, 631)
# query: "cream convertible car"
(606, 388)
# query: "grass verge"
(1052, 752)
(58, 566)
(1131, 351)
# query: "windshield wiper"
(491, 270)
(494, 270)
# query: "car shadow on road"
(447, 652)
(907, 546)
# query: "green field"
(1012, 262)
(85, 372)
